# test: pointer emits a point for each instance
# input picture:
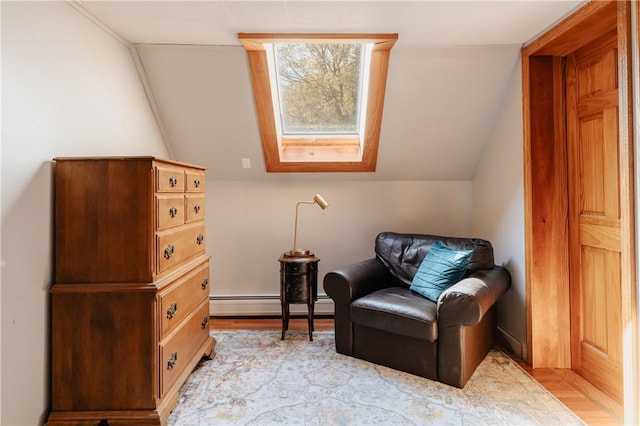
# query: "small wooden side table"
(298, 284)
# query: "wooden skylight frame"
(340, 155)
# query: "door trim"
(546, 198)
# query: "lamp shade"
(320, 201)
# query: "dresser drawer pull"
(171, 362)
(205, 283)
(173, 181)
(196, 208)
(204, 322)
(172, 309)
(199, 239)
(196, 182)
(169, 251)
(173, 212)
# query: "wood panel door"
(594, 214)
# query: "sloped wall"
(440, 104)
(498, 208)
(68, 89)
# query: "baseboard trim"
(512, 344)
(263, 305)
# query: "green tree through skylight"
(319, 87)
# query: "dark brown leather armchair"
(379, 319)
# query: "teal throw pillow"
(441, 268)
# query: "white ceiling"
(419, 23)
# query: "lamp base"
(298, 252)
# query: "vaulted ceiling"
(448, 74)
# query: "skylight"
(319, 98)
(319, 87)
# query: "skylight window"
(319, 98)
(319, 87)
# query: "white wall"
(250, 224)
(498, 207)
(68, 89)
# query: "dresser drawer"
(195, 208)
(169, 179)
(179, 349)
(169, 211)
(178, 244)
(182, 297)
(195, 181)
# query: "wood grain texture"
(630, 310)
(588, 23)
(103, 221)
(179, 244)
(585, 400)
(89, 348)
(179, 299)
(255, 41)
(594, 214)
(581, 27)
(195, 208)
(547, 222)
(111, 335)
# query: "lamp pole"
(295, 251)
(317, 199)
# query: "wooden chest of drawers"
(130, 300)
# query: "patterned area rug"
(258, 379)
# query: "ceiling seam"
(151, 99)
(137, 60)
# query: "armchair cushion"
(396, 310)
(441, 268)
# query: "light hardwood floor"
(563, 384)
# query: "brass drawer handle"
(169, 251)
(173, 181)
(199, 239)
(196, 208)
(205, 283)
(172, 309)
(173, 212)
(204, 322)
(171, 362)
(196, 182)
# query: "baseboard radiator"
(269, 305)
(263, 305)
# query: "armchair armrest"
(466, 323)
(466, 302)
(350, 282)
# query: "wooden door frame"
(546, 198)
